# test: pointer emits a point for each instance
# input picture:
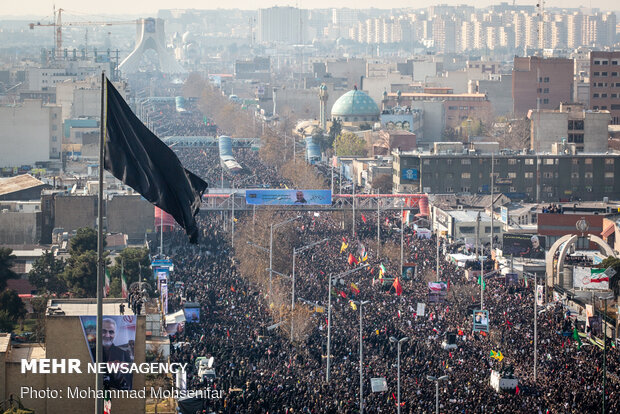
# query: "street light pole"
(361, 305)
(402, 230)
(433, 378)
(329, 315)
(398, 343)
(605, 297)
(437, 264)
(378, 225)
(295, 251)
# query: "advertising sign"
(481, 321)
(524, 245)
(119, 337)
(409, 174)
(288, 197)
(504, 215)
(590, 278)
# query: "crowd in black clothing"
(261, 371)
(553, 209)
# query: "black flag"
(135, 155)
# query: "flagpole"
(100, 263)
(378, 226)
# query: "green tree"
(46, 274)
(11, 309)
(614, 282)
(349, 144)
(80, 274)
(6, 263)
(84, 240)
(335, 129)
(136, 265)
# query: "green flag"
(481, 281)
(577, 338)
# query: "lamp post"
(432, 378)
(295, 251)
(361, 305)
(398, 343)
(605, 297)
(274, 226)
(329, 315)
(402, 231)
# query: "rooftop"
(26, 352)
(18, 183)
(85, 307)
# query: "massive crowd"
(261, 371)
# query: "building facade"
(528, 177)
(605, 83)
(543, 82)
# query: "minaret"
(323, 95)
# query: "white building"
(31, 132)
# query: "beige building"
(588, 130)
(64, 338)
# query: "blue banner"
(410, 174)
(288, 197)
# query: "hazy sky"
(42, 8)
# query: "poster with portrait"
(481, 321)
(540, 295)
(530, 246)
(192, 315)
(512, 279)
(408, 271)
(437, 292)
(118, 340)
(163, 288)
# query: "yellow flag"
(353, 305)
(343, 247)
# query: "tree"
(85, 239)
(80, 274)
(614, 282)
(6, 263)
(383, 182)
(11, 309)
(349, 144)
(135, 264)
(46, 274)
(335, 130)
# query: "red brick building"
(534, 77)
(605, 83)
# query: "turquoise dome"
(355, 103)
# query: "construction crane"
(57, 24)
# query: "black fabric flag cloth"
(135, 155)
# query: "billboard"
(409, 174)
(512, 279)
(288, 197)
(590, 278)
(481, 321)
(192, 314)
(119, 337)
(524, 245)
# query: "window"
(546, 90)
(549, 161)
(465, 189)
(597, 74)
(545, 101)
(467, 229)
(529, 175)
(609, 161)
(449, 190)
(575, 161)
(466, 175)
(604, 74)
(547, 175)
(614, 74)
(574, 175)
(609, 188)
(529, 161)
(426, 162)
(609, 175)
(547, 79)
(603, 95)
(54, 138)
(512, 161)
(449, 162)
(595, 95)
(465, 161)
(513, 189)
(512, 175)
(452, 108)
(588, 161)
(589, 174)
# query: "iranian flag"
(598, 276)
(124, 290)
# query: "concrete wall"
(73, 212)
(596, 132)
(30, 132)
(548, 128)
(131, 215)
(499, 93)
(20, 228)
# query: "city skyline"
(43, 8)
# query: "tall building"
(605, 83)
(282, 25)
(546, 82)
